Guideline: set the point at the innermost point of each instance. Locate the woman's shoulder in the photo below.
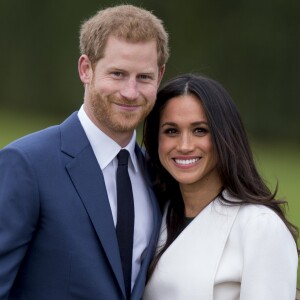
(257, 217)
(250, 212)
(262, 222)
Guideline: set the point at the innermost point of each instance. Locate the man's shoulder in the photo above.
(31, 139)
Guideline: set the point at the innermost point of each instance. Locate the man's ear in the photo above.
(161, 73)
(85, 69)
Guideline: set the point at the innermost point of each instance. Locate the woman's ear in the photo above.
(85, 69)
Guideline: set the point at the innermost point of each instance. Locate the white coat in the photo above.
(227, 253)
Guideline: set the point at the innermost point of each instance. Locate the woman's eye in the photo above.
(170, 131)
(201, 131)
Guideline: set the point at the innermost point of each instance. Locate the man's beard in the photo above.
(113, 121)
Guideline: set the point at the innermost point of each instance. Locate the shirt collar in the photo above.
(105, 148)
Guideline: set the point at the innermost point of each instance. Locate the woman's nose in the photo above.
(185, 143)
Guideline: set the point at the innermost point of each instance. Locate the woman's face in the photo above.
(185, 145)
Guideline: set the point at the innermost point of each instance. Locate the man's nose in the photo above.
(130, 89)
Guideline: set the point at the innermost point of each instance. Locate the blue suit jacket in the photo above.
(57, 236)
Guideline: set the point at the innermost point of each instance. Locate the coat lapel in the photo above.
(88, 180)
(193, 258)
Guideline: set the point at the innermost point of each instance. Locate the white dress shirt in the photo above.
(106, 150)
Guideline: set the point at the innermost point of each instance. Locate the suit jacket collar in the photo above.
(73, 137)
(88, 180)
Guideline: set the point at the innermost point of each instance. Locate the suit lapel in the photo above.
(88, 180)
(141, 278)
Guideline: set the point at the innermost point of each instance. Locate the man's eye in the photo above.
(117, 74)
(145, 77)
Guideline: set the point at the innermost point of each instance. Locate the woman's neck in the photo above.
(196, 198)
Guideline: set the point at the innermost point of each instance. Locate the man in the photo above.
(58, 199)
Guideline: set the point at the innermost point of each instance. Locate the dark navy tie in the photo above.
(125, 218)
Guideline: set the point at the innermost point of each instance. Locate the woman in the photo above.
(224, 235)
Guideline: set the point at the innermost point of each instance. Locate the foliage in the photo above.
(252, 47)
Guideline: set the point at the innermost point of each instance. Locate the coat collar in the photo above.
(202, 244)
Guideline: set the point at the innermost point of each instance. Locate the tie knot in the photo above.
(123, 157)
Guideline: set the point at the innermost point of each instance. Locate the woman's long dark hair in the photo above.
(236, 164)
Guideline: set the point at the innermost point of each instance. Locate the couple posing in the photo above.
(205, 224)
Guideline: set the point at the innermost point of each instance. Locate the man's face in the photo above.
(121, 90)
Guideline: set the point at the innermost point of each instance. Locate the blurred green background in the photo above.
(251, 47)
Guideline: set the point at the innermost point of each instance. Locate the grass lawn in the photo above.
(14, 125)
(275, 161)
(281, 162)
